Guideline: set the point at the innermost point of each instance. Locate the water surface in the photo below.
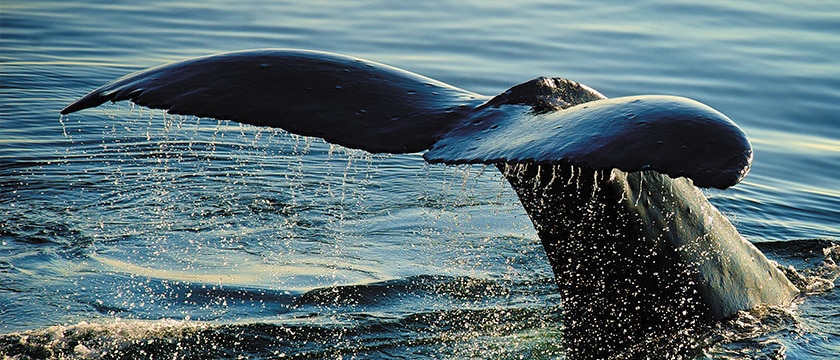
(135, 227)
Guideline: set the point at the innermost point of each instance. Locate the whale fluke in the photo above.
(637, 255)
(375, 107)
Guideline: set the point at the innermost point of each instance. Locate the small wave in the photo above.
(115, 339)
(811, 265)
(459, 333)
(454, 287)
(753, 334)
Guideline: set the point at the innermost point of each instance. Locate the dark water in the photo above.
(126, 232)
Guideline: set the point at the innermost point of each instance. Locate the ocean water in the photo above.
(130, 233)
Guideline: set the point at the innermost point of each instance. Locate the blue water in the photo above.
(122, 227)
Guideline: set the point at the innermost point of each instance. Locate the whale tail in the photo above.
(379, 108)
(635, 253)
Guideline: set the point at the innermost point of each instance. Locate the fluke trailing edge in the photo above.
(637, 250)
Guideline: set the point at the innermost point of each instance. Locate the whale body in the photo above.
(611, 185)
